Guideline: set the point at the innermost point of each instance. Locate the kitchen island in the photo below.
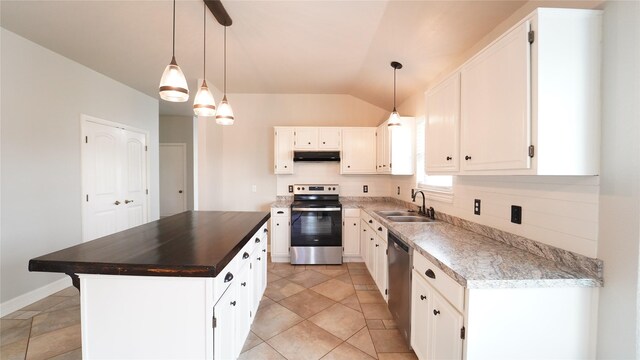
(185, 286)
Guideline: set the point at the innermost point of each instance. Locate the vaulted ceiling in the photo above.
(315, 47)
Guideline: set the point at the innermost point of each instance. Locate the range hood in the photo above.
(316, 156)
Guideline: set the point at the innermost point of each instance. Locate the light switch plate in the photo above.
(516, 214)
(476, 206)
(290, 188)
(365, 188)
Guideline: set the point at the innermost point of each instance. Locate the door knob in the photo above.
(128, 201)
(116, 203)
(179, 191)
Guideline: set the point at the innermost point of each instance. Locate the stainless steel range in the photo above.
(316, 224)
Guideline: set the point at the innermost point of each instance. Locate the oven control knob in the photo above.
(298, 187)
(303, 188)
(334, 188)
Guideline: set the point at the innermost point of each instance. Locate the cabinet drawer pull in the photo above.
(377, 245)
(257, 240)
(280, 212)
(370, 221)
(422, 297)
(243, 283)
(430, 274)
(266, 230)
(258, 259)
(245, 255)
(264, 250)
(233, 303)
(380, 228)
(228, 277)
(467, 157)
(449, 158)
(436, 312)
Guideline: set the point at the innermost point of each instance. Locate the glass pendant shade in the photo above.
(394, 118)
(224, 115)
(204, 104)
(173, 85)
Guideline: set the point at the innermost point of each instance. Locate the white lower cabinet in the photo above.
(373, 240)
(364, 240)
(351, 234)
(280, 234)
(224, 332)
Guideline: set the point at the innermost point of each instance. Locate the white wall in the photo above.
(180, 129)
(241, 155)
(43, 95)
(619, 235)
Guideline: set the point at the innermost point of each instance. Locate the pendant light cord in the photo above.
(174, 28)
(225, 61)
(204, 46)
(394, 89)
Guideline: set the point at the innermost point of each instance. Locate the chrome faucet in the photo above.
(421, 210)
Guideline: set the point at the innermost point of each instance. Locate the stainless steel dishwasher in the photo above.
(400, 262)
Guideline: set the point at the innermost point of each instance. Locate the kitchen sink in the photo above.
(413, 218)
(403, 216)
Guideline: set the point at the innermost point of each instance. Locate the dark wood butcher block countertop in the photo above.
(192, 243)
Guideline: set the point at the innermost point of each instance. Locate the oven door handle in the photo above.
(317, 209)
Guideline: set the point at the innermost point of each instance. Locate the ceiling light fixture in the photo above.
(394, 118)
(173, 85)
(204, 104)
(224, 115)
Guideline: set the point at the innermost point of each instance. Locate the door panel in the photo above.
(172, 179)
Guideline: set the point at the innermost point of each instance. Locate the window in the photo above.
(437, 187)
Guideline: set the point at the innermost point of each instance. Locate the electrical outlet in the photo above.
(365, 188)
(476, 206)
(290, 188)
(516, 214)
(398, 190)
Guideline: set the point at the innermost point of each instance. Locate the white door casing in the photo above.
(173, 178)
(114, 177)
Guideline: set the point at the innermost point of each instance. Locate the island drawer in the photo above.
(449, 288)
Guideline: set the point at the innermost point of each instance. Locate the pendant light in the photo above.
(224, 115)
(394, 118)
(204, 104)
(173, 85)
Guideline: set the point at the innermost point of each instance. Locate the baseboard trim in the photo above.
(29, 298)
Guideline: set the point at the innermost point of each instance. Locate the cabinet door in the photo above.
(283, 154)
(358, 151)
(442, 128)
(305, 139)
(224, 332)
(371, 252)
(258, 278)
(280, 236)
(329, 138)
(364, 240)
(495, 107)
(381, 266)
(244, 305)
(446, 324)
(383, 149)
(402, 147)
(351, 236)
(420, 315)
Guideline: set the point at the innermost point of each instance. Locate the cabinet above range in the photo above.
(363, 150)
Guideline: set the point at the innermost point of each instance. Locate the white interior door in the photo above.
(114, 179)
(173, 179)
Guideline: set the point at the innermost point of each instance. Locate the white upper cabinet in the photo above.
(283, 150)
(395, 147)
(530, 101)
(317, 138)
(358, 150)
(305, 138)
(442, 128)
(329, 138)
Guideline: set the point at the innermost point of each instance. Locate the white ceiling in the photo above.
(316, 47)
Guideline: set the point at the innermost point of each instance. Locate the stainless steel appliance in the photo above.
(400, 263)
(316, 224)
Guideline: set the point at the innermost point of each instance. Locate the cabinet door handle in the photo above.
(349, 166)
(116, 203)
(309, 143)
(323, 142)
(228, 277)
(259, 259)
(233, 303)
(430, 274)
(377, 245)
(467, 157)
(449, 158)
(354, 224)
(422, 297)
(266, 230)
(243, 283)
(245, 255)
(257, 240)
(436, 312)
(285, 166)
(128, 201)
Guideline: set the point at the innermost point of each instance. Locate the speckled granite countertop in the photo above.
(477, 261)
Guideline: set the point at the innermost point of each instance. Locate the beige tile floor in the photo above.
(308, 312)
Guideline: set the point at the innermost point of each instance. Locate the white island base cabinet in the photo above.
(159, 317)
